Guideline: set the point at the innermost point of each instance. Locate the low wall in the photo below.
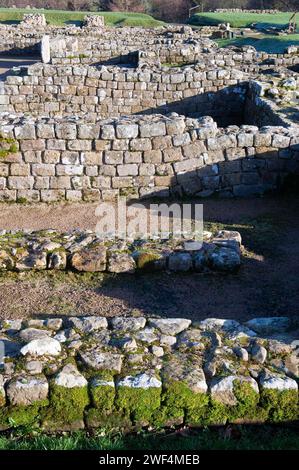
(47, 160)
(261, 111)
(87, 252)
(89, 44)
(115, 91)
(131, 372)
(241, 10)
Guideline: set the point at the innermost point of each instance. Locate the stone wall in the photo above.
(115, 91)
(129, 373)
(89, 44)
(46, 159)
(241, 10)
(33, 20)
(260, 111)
(89, 252)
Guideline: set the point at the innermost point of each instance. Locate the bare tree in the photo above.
(125, 5)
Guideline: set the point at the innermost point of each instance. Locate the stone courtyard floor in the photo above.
(266, 285)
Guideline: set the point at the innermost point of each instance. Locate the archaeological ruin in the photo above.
(159, 113)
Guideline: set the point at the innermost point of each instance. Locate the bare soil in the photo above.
(266, 285)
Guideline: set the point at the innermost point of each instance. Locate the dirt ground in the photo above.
(266, 285)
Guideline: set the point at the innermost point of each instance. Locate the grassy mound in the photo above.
(61, 17)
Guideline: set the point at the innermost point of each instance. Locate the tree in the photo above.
(171, 10)
(125, 5)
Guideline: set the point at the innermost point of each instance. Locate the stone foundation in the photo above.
(132, 372)
(241, 10)
(157, 139)
(88, 252)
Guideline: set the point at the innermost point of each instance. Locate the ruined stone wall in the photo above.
(260, 110)
(241, 10)
(114, 91)
(94, 44)
(47, 160)
(92, 252)
(127, 373)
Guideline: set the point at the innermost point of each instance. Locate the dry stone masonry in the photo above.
(140, 113)
(241, 10)
(52, 159)
(33, 20)
(87, 252)
(78, 129)
(132, 372)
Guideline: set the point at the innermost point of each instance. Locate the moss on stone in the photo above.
(139, 404)
(102, 395)
(281, 405)
(67, 405)
(147, 261)
(7, 146)
(2, 399)
(247, 407)
(117, 420)
(180, 401)
(15, 416)
(247, 401)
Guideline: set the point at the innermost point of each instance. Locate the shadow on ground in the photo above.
(266, 285)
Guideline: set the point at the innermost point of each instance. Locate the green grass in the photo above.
(265, 43)
(60, 17)
(231, 438)
(241, 20)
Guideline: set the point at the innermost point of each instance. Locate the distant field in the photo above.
(60, 17)
(241, 20)
(266, 43)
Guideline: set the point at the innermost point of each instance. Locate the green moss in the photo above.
(247, 408)
(22, 200)
(116, 421)
(147, 261)
(280, 405)
(128, 192)
(178, 401)
(219, 414)
(7, 146)
(247, 403)
(15, 416)
(102, 396)
(2, 398)
(139, 404)
(66, 405)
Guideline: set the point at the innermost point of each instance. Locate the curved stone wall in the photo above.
(73, 159)
(114, 91)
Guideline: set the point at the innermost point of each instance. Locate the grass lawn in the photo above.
(60, 17)
(266, 43)
(229, 438)
(241, 20)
